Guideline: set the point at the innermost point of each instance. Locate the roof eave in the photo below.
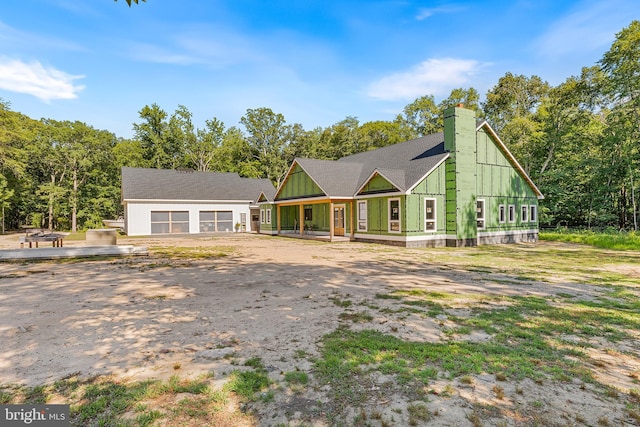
(286, 178)
(376, 171)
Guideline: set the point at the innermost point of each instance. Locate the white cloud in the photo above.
(431, 77)
(212, 46)
(45, 83)
(425, 13)
(590, 27)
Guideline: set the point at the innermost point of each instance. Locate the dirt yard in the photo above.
(207, 304)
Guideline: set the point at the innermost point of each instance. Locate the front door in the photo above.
(338, 220)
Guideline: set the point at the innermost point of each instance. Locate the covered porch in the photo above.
(320, 219)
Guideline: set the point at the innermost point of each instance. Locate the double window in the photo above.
(429, 214)
(169, 222)
(216, 221)
(394, 216)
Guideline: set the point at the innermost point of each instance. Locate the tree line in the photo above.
(579, 142)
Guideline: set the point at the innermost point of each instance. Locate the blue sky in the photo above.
(314, 61)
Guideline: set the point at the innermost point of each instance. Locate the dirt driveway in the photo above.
(188, 310)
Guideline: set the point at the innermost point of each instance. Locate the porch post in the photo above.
(279, 216)
(301, 216)
(331, 230)
(352, 213)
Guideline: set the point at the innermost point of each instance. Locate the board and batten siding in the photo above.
(299, 184)
(499, 183)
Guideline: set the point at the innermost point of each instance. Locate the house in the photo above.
(461, 187)
(158, 201)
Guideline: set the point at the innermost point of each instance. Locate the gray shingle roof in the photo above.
(334, 178)
(404, 164)
(163, 184)
(414, 158)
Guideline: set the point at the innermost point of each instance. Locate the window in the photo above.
(308, 213)
(534, 213)
(216, 221)
(524, 213)
(262, 216)
(429, 214)
(268, 216)
(362, 215)
(394, 215)
(512, 213)
(480, 214)
(502, 214)
(168, 222)
(207, 222)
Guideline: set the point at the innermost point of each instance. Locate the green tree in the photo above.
(469, 98)
(5, 197)
(201, 151)
(380, 133)
(268, 136)
(153, 136)
(511, 108)
(421, 117)
(341, 139)
(621, 83)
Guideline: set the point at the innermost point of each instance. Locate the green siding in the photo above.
(377, 184)
(299, 185)
(274, 219)
(499, 183)
(432, 187)
(460, 141)
(378, 215)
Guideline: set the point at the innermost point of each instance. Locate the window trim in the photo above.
(268, 211)
(389, 220)
(512, 214)
(170, 221)
(524, 213)
(364, 220)
(433, 221)
(262, 216)
(484, 214)
(502, 214)
(533, 213)
(216, 221)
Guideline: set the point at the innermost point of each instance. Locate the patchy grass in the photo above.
(192, 253)
(106, 401)
(247, 383)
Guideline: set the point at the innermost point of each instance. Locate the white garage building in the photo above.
(160, 201)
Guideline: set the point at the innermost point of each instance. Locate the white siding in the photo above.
(138, 214)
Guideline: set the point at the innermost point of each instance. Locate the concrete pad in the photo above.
(71, 252)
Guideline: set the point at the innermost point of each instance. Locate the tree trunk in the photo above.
(53, 185)
(633, 201)
(74, 203)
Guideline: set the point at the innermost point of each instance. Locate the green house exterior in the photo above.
(461, 187)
